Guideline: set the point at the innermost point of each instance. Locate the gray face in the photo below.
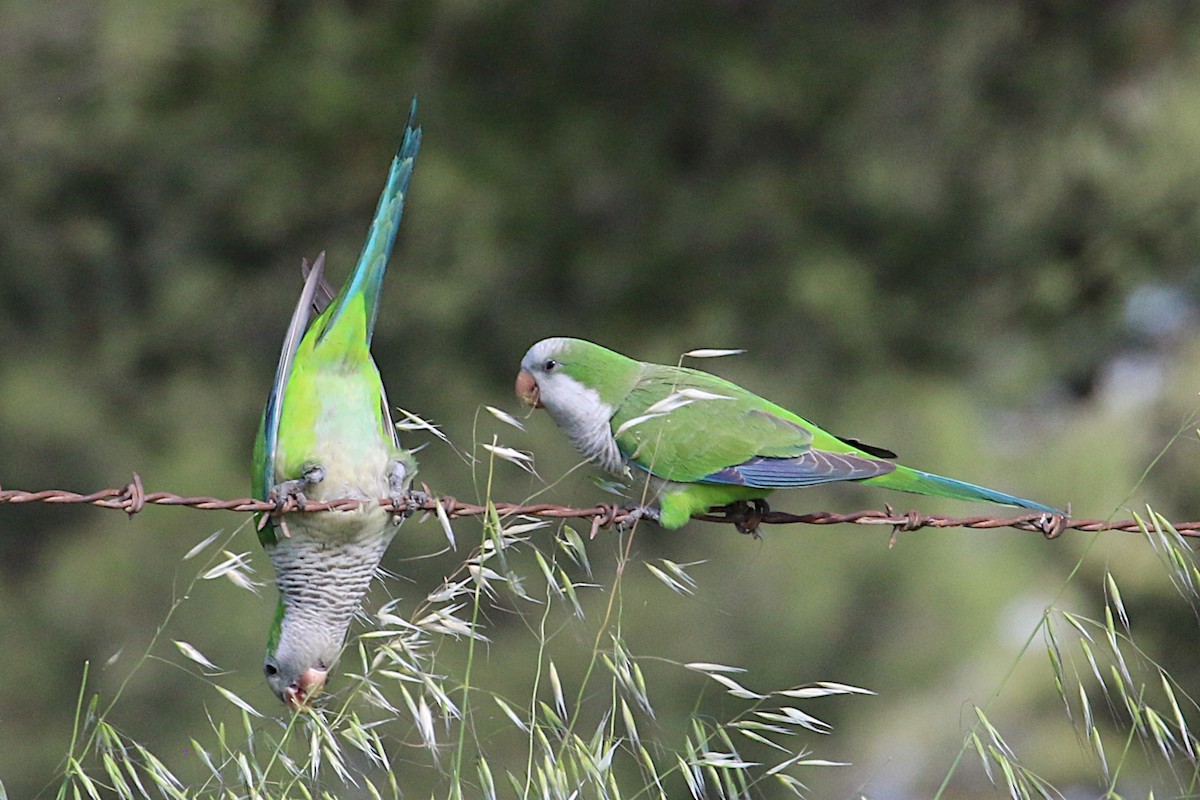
(577, 409)
(296, 671)
(559, 393)
(541, 352)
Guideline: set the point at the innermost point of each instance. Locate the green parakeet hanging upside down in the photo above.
(703, 441)
(327, 433)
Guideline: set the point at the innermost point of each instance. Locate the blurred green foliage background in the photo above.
(966, 232)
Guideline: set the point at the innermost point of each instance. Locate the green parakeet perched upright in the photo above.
(703, 441)
(327, 433)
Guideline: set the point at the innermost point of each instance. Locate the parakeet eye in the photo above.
(549, 365)
(270, 670)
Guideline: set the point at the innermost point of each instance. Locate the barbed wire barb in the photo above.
(133, 498)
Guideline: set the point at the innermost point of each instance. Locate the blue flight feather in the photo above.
(809, 469)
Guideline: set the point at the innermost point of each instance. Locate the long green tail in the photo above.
(366, 281)
(906, 479)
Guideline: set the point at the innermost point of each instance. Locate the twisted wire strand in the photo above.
(133, 497)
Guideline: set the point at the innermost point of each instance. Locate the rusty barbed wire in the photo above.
(133, 497)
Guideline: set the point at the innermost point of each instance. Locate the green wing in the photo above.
(708, 430)
(267, 443)
(729, 436)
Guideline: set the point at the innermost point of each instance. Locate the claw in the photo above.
(294, 489)
(634, 514)
(398, 478)
(401, 493)
(747, 515)
(411, 499)
(288, 490)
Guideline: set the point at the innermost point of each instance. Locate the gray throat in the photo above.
(322, 581)
(591, 435)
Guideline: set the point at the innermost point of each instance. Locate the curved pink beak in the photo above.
(299, 696)
(527, 390)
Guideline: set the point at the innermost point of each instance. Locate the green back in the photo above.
(706, 436)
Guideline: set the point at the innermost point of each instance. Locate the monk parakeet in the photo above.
(703, 441)
(327, 433)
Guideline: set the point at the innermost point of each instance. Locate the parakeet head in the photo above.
(298, 661)
(580, 385)
(564, 375)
